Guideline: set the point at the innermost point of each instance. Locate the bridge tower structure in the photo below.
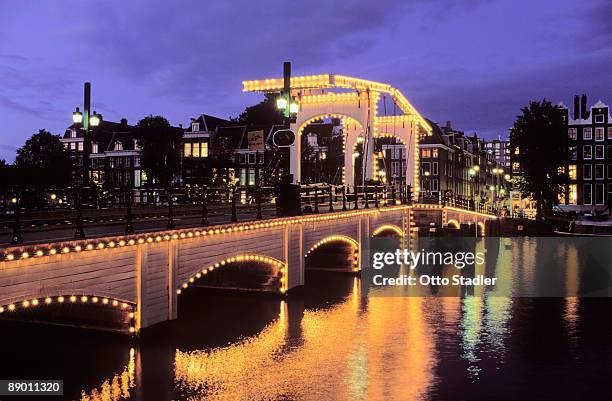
(356, 102)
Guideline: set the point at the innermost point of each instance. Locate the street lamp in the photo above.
(77, 116)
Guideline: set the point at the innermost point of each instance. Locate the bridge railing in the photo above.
(453, 200)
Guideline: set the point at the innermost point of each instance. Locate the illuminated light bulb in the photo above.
(115, 302)
(132, 329)
(94, 300)
(1, 309)
(190, 234)
(217, 231)
(101, 245)
(48, 300)
(121, 243)
(60, 299)
(131, 315)
(83, 298)
(166, 237)
(185, 285)
(65, 249)
(111, 244)
(124, 305)
(25, 255)
(216, 265)
(105, 301)
(191, 279)
(52, 251)
(39, 253)
(25, 304)
(197, 233)
(34, 302)
(141, 240)
(204, 272)
(73, 299)
(11, 307)
(158, 238)
(178, 292)
(182, 235)
(174, 236)
(149, 239)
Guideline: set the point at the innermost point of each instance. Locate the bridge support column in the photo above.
(364, 241)
(156, 276)
(294, 257)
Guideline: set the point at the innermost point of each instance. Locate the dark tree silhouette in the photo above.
(160, 147)
(43, 162)
(263, 113)
(539, 135)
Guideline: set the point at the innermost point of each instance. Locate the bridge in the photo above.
(143, 275)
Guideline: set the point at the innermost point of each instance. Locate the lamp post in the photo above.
(16, 238)
(87, 120)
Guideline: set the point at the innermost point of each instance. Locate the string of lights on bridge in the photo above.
(343, 238)
(123, 241)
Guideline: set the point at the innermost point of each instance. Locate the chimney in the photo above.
(583, 107)
(576, 107)
(124, 121)
(448, 124)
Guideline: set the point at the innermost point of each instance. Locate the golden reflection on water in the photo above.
(346, 352)
(116, 388)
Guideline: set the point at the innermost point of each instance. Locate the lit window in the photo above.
(73, 145)
(195, 151)
(587, 133)
(434, 153)
(572, 171)
(573, 194)
(94, 148)
(80, 146)
(599, 134)
(118, 146)
(251, 176)
(572, 133)
(204, 149)
(73, 133)
(243, 176)
(187, 149)
(516, 151)
(425, 153)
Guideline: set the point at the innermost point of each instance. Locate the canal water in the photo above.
(327, 342)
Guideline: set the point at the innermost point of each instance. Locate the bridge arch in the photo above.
(388, 227)
(36, 301)
(279, 269)
(342, 238)
(453, 222)
(349, 138)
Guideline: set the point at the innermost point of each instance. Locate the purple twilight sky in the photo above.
(473, 62)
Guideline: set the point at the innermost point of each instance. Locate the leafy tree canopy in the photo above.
(263, 113)
(160, 146)
(43, 161)
(543, 152)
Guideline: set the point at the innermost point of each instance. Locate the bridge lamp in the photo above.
(95, 119)
(492, 188)
(426, 173)
(472, 172)
(477, 168)
(77, 116)
(293, 107)
(502, 191)
(281, 103)
(507, 177)
(53, 196)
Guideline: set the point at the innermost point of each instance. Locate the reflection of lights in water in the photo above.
(117, 388)
(355, 356)
(471, 326)
(572, 284)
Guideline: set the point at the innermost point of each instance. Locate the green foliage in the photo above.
(43, 162)
(263, 113)
(539, 134)
(160, 146)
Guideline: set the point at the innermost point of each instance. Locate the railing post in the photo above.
(204, 221)
(356, 206)
(308, 204)
(376, 189)
(171, 224)
(234, 217)
(316, 200)
(331, 199)
(129, 226)
(343, 198)
(78, 232)
(17, 238)
(365, 194)
(259, 216)
(393, 194)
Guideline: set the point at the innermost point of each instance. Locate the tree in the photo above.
(263, 113)
(43, 162)
(540, 146)
(160, 149)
